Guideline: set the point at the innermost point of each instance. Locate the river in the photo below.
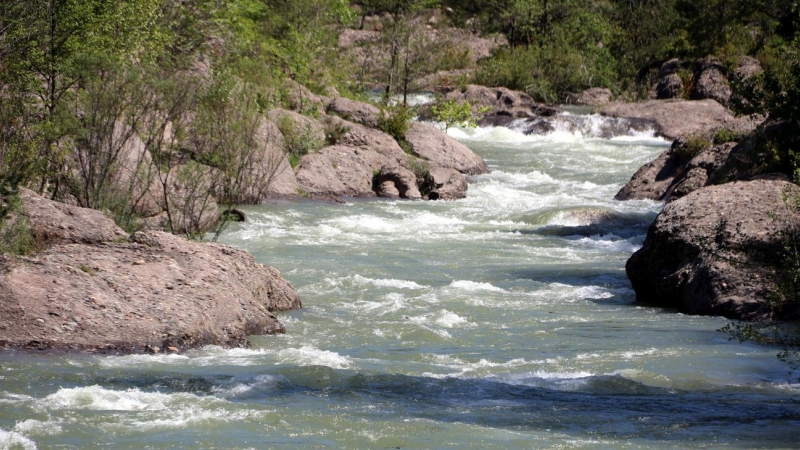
(503, 320)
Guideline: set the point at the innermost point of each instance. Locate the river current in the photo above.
(503, 320)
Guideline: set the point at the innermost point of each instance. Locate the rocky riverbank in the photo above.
(91, 287)
(719, 246)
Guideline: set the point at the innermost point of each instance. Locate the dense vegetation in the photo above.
(84, 83)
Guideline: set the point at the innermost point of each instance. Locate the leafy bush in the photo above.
(395, 120)
(455, 113)
(691, 145)
(300, 140)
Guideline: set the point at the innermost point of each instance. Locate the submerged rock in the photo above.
(713, 251)
(104, 292)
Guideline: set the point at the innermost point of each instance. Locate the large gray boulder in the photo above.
(710, 81)
(670, 83)
(441, 150)
(339, 170)
(714, 251)
(91, 288)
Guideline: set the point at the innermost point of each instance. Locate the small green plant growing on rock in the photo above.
(454, 113)
(724, 135)
(395, 120)
(334, 131)
(692, 145)
(300, 141)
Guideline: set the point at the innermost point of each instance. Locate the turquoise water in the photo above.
(503, 320)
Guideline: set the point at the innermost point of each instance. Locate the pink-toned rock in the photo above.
(147, 294)
(445, 184)
(57, 223)
(441, 150)
(340, 171)
(680, 117)
(353, 111)
(404, 180)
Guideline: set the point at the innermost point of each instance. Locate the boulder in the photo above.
(713, 252)
(272, 175)
(190, 206)
(301, 100)
(353, 111)
(591, 97)
(676, 172)
(710, 82)
(339, 170)
(56, 223)
(441, 150)
(747, 68)
(264, 171)
(401, 178)
(679, 117)
(445, 184)
(500, 101)
(144, 294)
(298, 130)
(693, 162)
(669, 86)
(387, 189)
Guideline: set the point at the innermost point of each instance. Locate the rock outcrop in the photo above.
(92, 288)
(353, 111)
(591, 97)
(676, 172)
(693, 162)
(712, 251)
(710, 82)
(503, 104)
(445, 184)
(670, 83)
(680, 117)
(441, 150)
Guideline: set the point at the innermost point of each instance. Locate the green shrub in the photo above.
(692, 145)
(300, 140)
(15, 229)
(395, 120)
(334, 131)
(455, 113)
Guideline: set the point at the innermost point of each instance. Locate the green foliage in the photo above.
(692, 146)
(557, 47)
(724, 136)
(300, 139)
(334, 130)
(15, 228)
(455, 113)
(395, 120)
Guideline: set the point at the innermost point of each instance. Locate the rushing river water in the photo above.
(503, 320)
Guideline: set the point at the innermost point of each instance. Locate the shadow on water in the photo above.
(606, 406)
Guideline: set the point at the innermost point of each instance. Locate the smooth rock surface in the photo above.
(99, 291)
(679, 117)
(441, 150)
